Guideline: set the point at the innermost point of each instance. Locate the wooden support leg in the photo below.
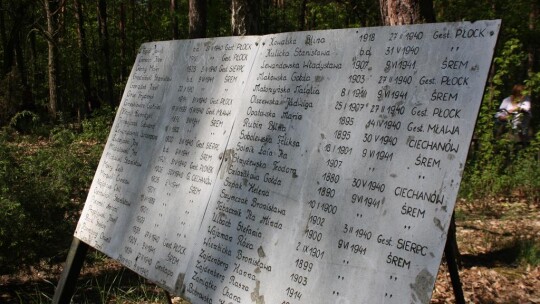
(75, 259)
(451, 254)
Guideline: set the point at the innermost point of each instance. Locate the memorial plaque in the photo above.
(308, 167)
(156, 175)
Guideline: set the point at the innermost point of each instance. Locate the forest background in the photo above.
(64, 65)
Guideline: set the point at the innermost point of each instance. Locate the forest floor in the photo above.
(498, 239)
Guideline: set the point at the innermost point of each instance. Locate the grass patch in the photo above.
(529, 252)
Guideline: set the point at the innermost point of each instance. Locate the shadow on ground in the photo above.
(508, 256)
(117, 285)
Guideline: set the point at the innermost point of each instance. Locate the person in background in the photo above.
(514, 111)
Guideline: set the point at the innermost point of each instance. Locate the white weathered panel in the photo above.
(331, 180)
(156, 174)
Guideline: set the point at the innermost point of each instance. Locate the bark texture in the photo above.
(403, 12)
(244, 16)
(197, 18)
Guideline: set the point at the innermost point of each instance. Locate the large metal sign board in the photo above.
(307, 167)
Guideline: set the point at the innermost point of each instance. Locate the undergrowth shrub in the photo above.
(98, 127)
(43, 186)
(529, 252)
(501, 166)
(24, 121)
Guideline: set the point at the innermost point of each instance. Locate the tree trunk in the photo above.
(133, 25)
(34, 63)
(265, 20)
(3, 36)
(197, 18)
(302, 17)
(532, 51)
(244, 16)
(174, 19)
(123, 41)
(402, 12)
(21, 64)
(148, 21)
(102, 18)
(89, 104)
(52, 59)
(27, 96)
(9, 36)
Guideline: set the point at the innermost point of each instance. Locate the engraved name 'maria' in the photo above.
(291, 115)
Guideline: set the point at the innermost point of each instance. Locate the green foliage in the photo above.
(526, 175)
(43, 184)
(10, 96)
(98, 127)
(500, 166)
(326, 16)
(25, 121)
(508, 63)
(533, 84)
(529, 252)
